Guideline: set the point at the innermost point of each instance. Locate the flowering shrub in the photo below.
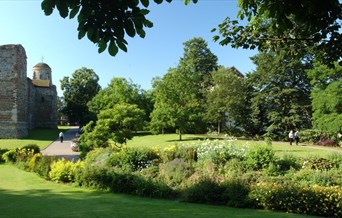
(314, 200)
(63, 170)
(219, 151)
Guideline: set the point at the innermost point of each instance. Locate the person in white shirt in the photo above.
(61, 136)
(291, 137)
(296, 137)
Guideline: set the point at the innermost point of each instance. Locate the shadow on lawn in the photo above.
(78, 203)
(187, 139)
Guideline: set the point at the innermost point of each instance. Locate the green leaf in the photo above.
(129, 28)
(90, 33)
(158, 1)
(144, 11)
(48, 6)
(81, 33)
(215, 38)
(102, 46)
(148, 23)
(145, 3)
(74, 12)
(112, 49)
(121, 45)
(141, 33)
(63, 8)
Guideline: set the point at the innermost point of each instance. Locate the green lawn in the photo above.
(281, 148)
(40, 137)
(24, 194)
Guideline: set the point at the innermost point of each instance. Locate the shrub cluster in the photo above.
(213, 172)
(290, 197)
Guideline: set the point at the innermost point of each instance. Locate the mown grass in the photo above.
(24, 194)
(40, 137)
(281, 148)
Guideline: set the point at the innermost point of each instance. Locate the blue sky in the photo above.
(54, 40)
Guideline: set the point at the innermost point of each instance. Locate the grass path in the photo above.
(24, 194)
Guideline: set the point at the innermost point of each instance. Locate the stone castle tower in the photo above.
(24, 103)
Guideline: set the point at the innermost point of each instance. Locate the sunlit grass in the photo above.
(40, 137)
(281, 148)
(24, 194)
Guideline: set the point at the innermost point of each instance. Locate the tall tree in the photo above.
(121, 90)
(198, 61)
(176, 102)
(326, 97)
(78, 91)
(289, 25)
(226, 98)
(281, 92)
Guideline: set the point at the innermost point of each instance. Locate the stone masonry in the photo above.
(24, 103)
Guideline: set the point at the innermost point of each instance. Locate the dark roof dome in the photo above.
(42, 65)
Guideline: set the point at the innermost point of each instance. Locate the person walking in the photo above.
(296, 137)
(291, 137)
(61, 136)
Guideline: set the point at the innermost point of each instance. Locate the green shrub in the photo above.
(42, 165)
(63, 170)
(318, 164)
(175, 172)
(10, 156)
(2, 151)
(205, 191)
(289, 197)
(21, 155)
(235, 193)
(323, 178)
(31, 147)
(134, 184)
(259, 157)
(94, 177)
(133, 159)
(33, 161)
(98, 156)
(281, 166)
(335, 158)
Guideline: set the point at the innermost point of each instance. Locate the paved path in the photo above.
(63, 150)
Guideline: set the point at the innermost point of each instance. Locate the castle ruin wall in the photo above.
(13, 92)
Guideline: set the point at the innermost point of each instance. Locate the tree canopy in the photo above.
(281, 93)
(286, 24)
(225, 97)
(78, 91)
(114, 126)
(107, 23)
(175, 102)
(326, 97)
(272, 24)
